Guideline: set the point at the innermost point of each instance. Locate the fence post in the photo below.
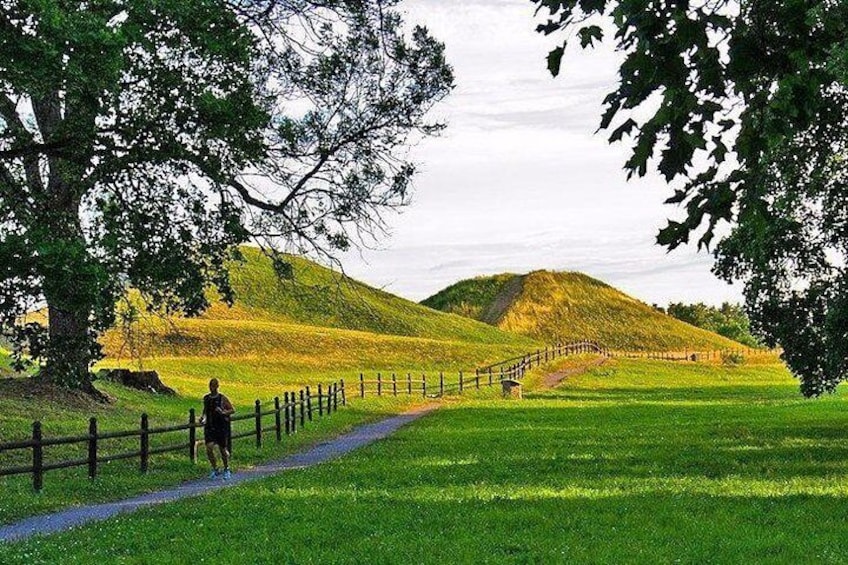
(379, 384)
(277, 418)
(490, 376)
(258, 418)
(502, 375)
(145, 444)
(394, 384)
(460, 382)
(344, 396)
(546, 354)
(192, 435)
(329, 399)
(424, 386)
(361, 386)
(37, 458)
(92, 448)
(409, 383)
(477, 380)
(230, 438)
(320, 401)
(302, 409)
(288, 413)
(293, 411)
(336, 397)
(441, 384)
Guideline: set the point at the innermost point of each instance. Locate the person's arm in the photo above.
(203, 415)
(227, 406)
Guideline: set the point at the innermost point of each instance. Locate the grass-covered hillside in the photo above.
(317, 296)
(317, 322)
(551, 306)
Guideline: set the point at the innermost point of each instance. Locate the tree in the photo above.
(741, 106)
(142, 140)
(729, 320)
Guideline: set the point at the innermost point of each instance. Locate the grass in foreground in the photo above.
(121, 479)
(633, 462)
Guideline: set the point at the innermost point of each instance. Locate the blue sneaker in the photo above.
(214, 474)
(227, 475)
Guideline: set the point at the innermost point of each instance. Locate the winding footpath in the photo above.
(553, 380)
(332, 449)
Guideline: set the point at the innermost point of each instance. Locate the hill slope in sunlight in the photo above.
(565, 306)
(319, 319)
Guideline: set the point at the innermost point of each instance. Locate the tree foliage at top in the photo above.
(142, 140)
(743, 108)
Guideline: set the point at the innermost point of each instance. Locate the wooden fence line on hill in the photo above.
(513, 368)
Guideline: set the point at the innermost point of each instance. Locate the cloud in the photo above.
(520, 181)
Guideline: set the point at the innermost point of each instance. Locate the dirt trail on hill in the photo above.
(554, 379)
(77, 516)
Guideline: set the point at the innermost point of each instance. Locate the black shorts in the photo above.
(216, 435)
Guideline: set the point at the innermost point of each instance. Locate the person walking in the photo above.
(215, 420)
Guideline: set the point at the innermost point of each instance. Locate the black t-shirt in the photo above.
(215, 420)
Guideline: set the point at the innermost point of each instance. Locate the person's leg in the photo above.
(210, 454)
(225, 456)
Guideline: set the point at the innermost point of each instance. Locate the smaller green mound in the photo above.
(553, 306)
(476, 298)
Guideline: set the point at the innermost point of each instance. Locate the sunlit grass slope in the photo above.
(551, 306)
(319, 322)
(318, 296)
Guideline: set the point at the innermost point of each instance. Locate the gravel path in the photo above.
(554, 379)
(77, 516)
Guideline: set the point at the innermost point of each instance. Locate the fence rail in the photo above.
(392, 384)
(290, 413)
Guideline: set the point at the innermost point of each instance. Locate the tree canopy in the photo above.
(728, 320)
(743, 108)
(142, 140)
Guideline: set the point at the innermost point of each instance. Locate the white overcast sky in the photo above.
(519, 181)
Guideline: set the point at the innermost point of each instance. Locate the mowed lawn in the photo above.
(635, 461)
(264, 360)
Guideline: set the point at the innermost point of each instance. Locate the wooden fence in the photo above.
(391, 384)
(290, 413)
(296, 409)
(693, 355)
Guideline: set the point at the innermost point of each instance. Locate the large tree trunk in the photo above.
(69, 352)
(65, 268)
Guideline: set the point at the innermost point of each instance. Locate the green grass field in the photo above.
(279, 336)
(634, 461)
(552, 307)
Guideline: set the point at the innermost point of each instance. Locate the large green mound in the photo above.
(318, 296)
(552, 306)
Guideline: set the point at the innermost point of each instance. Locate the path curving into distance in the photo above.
(553, 380)
(331, 449)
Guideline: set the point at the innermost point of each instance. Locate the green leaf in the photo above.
(590, 34)
(555, 60)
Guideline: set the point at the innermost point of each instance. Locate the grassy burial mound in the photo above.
(319, 321)
(551, 306)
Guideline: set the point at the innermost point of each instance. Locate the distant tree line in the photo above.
(728, 320)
